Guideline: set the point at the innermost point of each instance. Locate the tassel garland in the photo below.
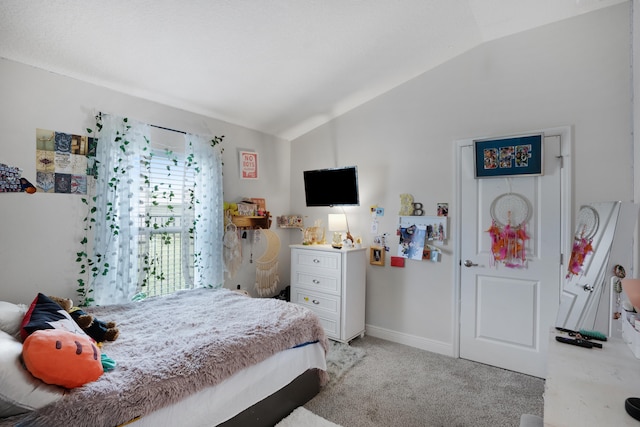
(581, 248)
(507, 244)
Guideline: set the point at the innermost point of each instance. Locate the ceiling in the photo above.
(278, 66)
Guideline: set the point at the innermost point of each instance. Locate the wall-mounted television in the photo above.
(332, 187)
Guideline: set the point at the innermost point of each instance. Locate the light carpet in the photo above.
(301, 417)
(340, 358)
(398, 385)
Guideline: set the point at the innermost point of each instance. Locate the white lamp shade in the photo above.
(337, 222)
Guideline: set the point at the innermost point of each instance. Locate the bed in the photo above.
(204, 357)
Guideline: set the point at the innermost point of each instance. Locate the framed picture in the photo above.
(376, 255)
(515, 156)
(443, 209)
(248, 165)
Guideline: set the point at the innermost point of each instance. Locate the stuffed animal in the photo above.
(61, 357)
(97, 329)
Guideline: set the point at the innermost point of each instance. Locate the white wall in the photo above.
(40, 233)
(575, 73)
(636, 125)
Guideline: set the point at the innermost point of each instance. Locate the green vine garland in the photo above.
(91, 267)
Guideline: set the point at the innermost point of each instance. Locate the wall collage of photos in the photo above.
(65, 163)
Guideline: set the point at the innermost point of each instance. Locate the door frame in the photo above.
(566, 209)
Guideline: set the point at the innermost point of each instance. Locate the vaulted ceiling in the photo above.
(278, 66)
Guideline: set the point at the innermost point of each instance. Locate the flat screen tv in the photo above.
(332, 187)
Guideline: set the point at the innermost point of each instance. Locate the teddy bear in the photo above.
(97, 329)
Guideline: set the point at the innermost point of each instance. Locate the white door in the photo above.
(506, 313)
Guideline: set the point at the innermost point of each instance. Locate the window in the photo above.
(163, 236)
(155, 220)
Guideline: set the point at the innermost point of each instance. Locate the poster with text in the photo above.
(248, 165)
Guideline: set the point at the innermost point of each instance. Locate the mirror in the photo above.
(603, 239)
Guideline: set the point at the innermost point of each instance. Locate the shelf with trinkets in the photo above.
(248, 214)
(251, 222)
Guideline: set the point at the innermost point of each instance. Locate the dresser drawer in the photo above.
(316, 281)
(326, 262)
(326, 305)
(330, 326)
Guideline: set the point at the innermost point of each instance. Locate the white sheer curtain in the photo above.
(121, 197)
(121, 144)
(208, 221)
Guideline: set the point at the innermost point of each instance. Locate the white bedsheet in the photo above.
(215, 405)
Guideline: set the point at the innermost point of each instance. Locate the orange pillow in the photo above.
(62, 358)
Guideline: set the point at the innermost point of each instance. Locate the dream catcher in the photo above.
(509, 213)
(586, 228)
(232, 249)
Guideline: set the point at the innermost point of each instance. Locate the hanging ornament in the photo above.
(507, 244)
(232, 249)
(581, 248)
(509, 213)
(586, 228)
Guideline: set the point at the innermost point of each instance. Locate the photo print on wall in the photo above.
(11, 180)
(65, 163)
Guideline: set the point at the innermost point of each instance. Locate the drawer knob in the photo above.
(316, 260)
(316, 302)
(316, 281)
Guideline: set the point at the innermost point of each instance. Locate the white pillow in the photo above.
(11, 316)
(20, 391)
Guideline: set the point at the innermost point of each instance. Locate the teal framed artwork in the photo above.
(510, 156)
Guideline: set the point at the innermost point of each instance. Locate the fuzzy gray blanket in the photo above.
(170, 347)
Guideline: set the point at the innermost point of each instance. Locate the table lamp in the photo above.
(337, 224)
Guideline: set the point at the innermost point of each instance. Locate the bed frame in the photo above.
(274, 408)
(185, 386)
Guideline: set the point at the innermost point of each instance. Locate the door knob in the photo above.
(468, 263)
(588, 288)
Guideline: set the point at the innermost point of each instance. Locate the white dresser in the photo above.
(588, 387)
(331, 282)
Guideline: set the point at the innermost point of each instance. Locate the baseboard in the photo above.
(410, 340)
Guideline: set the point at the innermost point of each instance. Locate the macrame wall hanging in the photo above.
(509, 213)
(586, 227)
(267, 265)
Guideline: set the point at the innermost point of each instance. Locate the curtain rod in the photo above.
(169, 129)
(156, 126)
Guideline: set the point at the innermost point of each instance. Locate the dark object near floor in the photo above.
(632, 405)
(273, 409)
(284, 294)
